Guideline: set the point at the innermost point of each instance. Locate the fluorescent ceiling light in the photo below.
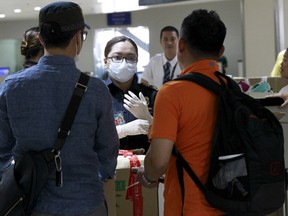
(17, 11)
(109, 6)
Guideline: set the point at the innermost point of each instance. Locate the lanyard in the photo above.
(173, 71)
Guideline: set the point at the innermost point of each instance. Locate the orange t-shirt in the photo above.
(185, 113)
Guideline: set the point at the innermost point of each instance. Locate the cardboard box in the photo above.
(110, 196)
(276, 83)
(115, 192)
(280, 113)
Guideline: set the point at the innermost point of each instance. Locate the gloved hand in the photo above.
(136, 127)
(137, 106)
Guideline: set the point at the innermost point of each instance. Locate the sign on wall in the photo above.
(117, 19)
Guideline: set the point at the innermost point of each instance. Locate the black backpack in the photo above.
(247, 171)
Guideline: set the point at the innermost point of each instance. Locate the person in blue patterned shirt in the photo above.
(33, 104)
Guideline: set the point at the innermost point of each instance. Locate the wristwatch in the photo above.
(147, 181)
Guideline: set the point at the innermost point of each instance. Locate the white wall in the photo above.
(10, 54)
(154, 18)
(256, 48)
(259, 37)
(286, 23)
(229, 12)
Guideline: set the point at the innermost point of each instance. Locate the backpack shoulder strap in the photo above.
(203, 81)
(181, 163)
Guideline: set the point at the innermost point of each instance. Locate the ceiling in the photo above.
(7, 7)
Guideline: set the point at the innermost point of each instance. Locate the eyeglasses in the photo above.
(119, 59)
(84, 35)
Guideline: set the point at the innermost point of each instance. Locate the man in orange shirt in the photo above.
(184, 116)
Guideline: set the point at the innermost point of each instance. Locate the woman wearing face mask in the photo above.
(121, 57)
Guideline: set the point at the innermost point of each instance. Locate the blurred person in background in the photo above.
(32, 107)
(31, 48)
(163, 67)
(283, 93)
(224, 63)
(277, 66)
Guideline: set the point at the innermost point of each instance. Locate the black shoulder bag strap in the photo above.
(64, 130)
(181, 163)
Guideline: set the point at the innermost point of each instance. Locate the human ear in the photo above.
(221, 51)
(181, 45)
(105, 62)
(40, 39)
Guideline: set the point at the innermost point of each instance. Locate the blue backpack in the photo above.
(247, 171)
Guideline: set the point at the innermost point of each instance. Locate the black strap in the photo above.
(64, 130)
(188, 169)
(203, 81)
(173, 71)
(181, 163)
(179, 167)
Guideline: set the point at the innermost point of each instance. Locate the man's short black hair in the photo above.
(203, 31)
(170, 29)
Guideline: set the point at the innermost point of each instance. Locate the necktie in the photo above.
(166, 68)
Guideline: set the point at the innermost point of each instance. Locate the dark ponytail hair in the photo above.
(30, 45)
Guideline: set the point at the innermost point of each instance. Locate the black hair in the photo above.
(52, 35)
(170, 29)
(203, 31)
(116, 40)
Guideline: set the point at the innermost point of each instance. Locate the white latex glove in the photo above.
(137, 106)
(136, 127)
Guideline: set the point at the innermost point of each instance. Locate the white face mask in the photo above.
(123, 71)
